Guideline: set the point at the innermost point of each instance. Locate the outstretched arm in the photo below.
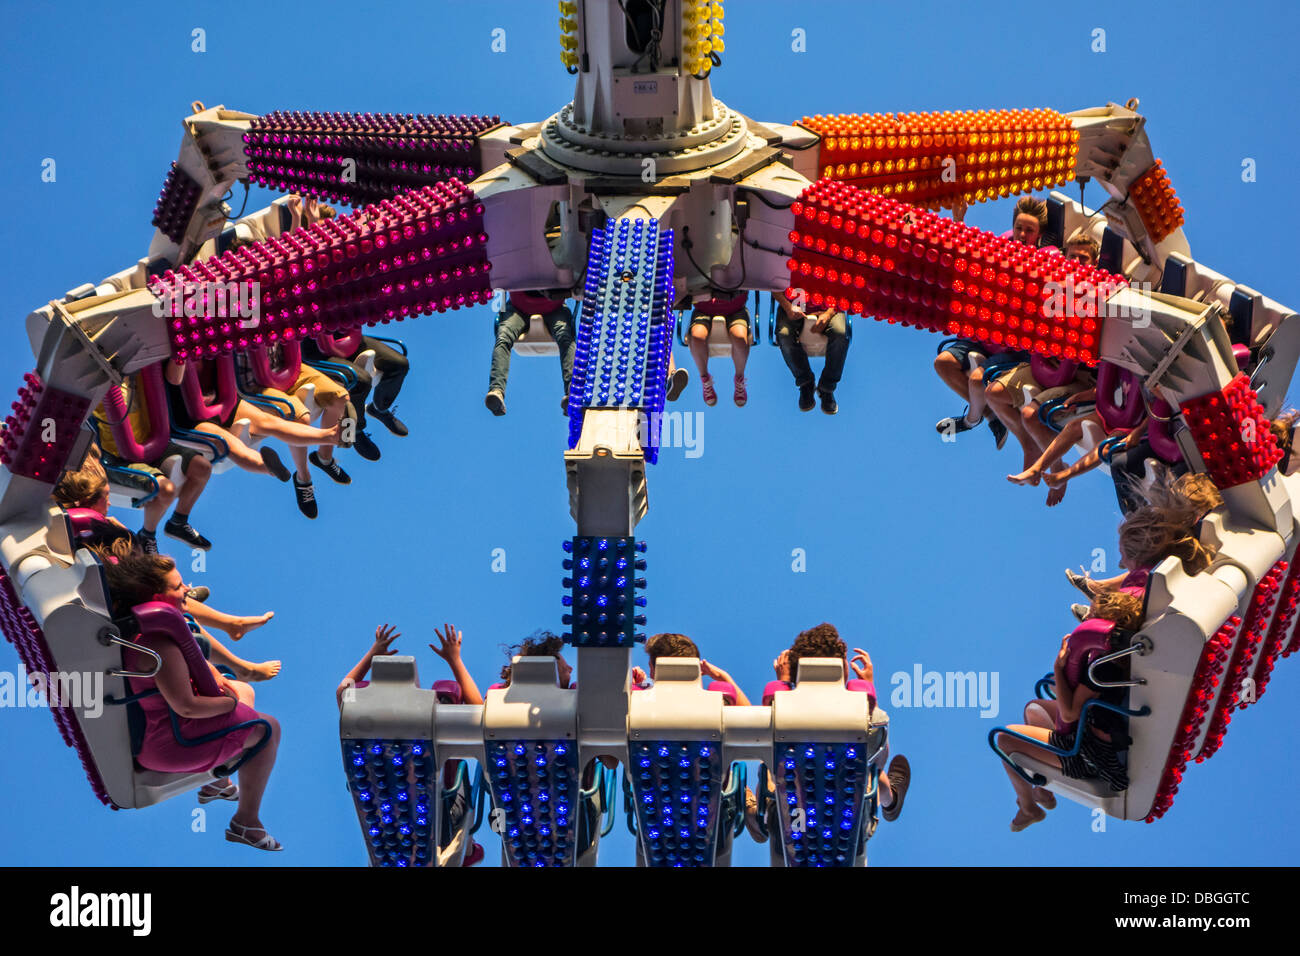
(717, 673)
(450, 652)
(384, 636)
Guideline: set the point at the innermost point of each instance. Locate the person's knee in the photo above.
(199, 467)
(165, 488)
(1029, 413)
(699, 332)
(739, 333)
(946, 363)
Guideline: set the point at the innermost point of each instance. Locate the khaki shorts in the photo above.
(299, 409)
(326, 387)
(1015, 381)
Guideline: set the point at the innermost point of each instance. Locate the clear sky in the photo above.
(916, 549)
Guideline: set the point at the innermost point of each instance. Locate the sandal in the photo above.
(267, 842)
(210, 791)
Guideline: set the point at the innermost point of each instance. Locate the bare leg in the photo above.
(196, 479)
(739, 336)
(331, 415)
(1000, 404)
(234, 626)
(243, 670)
(264, 424)
(1030, 812)
(975, 394)
(240, 454)
(950, 371)
(699, 343)
(160, 505)
(254, 777)
(1062, 443)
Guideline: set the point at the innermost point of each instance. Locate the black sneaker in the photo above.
(999, 431)
(807, 398)
(330, 468)
(273, 463)
(900, 776)
(186, 533)
(200, 594)
(829, 405)
(495, 402)
(564, 406)
(391, 421)
(148, 541)
(365, 446)
(306, 495)
(955, 425)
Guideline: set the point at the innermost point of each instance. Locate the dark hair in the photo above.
(820, 641)
(536, 644)
(670, 645)
(135, 579)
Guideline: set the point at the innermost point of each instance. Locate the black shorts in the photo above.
(187, 456)
(1096, 759)
(961, 350)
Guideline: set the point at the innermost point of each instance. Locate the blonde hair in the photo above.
(1152, 533)
(77, 489)
(1200, 490)
(1123, 608)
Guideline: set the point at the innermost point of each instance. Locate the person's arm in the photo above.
(1078, 398)
(173, 680)
(1064, 692)
(450, 652)
(384, 637)
(717, 673)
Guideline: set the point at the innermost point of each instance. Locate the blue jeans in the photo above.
(796, 359)
(559, 324)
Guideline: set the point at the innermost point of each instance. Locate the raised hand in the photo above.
(385, 634)
(450, 639)
(860, 662)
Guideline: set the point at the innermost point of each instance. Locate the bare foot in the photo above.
(1054, 478)
(242, 625)
(1045, 798)
(1028, 818)
(248, 671)
(1029, 476)
(1056, 496)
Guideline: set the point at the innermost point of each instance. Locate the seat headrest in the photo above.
(158, 619)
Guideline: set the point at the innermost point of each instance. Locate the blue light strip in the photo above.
(394, 784)
(820, 792)
(602, 591)
(624, 337)
(677, 786)
(535, 782)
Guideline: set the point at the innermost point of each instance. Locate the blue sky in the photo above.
(918, 550)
